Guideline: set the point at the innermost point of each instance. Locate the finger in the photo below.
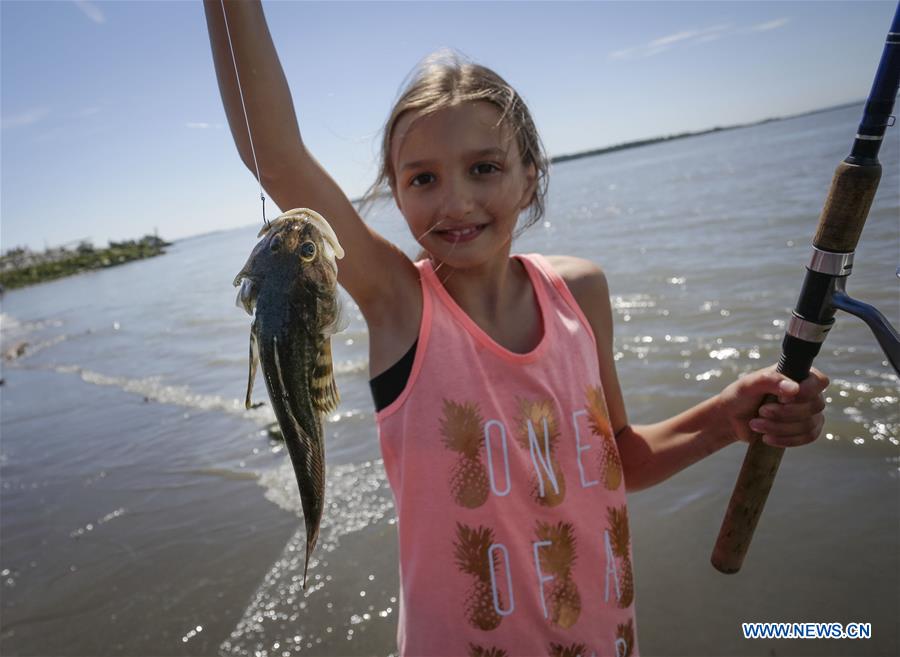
(815, 383)
(795, 440)
(787, 389)
(792, 411)
(782, 429)
(768, 381)
(788, 434)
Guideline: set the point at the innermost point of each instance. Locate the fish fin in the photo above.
(254, 360)
(323, 389)
(246, 296)
(340, 318)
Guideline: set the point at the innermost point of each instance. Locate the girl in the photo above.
(500, 417)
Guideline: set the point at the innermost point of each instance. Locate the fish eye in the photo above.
(307, 251)
(275, 244)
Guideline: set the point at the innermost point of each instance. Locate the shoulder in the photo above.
(587, 283)
(585, 279)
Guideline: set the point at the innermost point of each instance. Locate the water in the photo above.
(145, 512)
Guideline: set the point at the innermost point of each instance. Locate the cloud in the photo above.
(28, 117)
(626, 53)
(771, 25)
(672, 38)
(663, 43)
(92, 11)
(691, 37)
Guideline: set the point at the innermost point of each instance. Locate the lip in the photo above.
(455, 238)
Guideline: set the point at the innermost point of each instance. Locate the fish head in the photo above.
(296, 256)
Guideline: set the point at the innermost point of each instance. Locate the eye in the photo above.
(275, 244)
(307, 251)
(418, 181)
(485, 168)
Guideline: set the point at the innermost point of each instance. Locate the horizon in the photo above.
(131, 137)
(583, 154)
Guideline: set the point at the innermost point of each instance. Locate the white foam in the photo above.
(153, 389)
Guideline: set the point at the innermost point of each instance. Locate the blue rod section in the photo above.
(880, 104)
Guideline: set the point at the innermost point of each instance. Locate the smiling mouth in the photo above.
(461, 234)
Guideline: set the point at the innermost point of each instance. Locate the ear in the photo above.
(531, 187)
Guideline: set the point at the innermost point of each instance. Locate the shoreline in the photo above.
(21, 267)
(556, 159)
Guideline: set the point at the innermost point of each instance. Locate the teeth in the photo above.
(460, 233)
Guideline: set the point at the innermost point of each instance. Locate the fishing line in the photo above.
(246, 118)
(441, 263)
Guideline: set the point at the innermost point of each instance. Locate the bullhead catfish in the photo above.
(290, 280)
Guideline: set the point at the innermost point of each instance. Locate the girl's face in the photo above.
(459, 181)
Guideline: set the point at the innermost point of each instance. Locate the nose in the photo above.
(458, 200)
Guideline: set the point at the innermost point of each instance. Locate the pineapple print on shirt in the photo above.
(574, 650)
(618, 541)
(537, 431)
(555, 556)
(475, 555)
(461, 429)
(481, 651)
(625, 639)
(610, 464)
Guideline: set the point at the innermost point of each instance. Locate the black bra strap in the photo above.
(388, 385)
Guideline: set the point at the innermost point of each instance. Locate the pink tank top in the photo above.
(513, 530)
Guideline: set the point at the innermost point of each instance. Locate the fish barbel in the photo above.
(290, 280)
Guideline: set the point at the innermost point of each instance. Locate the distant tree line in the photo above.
(20, 266)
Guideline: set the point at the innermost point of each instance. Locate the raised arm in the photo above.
(288, 172)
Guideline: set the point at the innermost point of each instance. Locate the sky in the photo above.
(113, 127)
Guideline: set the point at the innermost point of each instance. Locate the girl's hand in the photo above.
(795, 419)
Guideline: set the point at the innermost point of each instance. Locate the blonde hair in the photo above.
(446, 78)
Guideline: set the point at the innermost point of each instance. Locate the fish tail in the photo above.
(306, 567)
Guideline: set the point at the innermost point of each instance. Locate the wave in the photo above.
(13, 333)
(153, 389)
(22, 349)
(8, 323)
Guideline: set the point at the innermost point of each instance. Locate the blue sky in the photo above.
(112, 124)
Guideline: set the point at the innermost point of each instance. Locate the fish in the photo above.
(289, 287)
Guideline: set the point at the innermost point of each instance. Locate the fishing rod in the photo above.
(823, 293)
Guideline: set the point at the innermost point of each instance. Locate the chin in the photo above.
(467, 258)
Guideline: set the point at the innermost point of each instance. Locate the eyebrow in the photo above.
(497, 152)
